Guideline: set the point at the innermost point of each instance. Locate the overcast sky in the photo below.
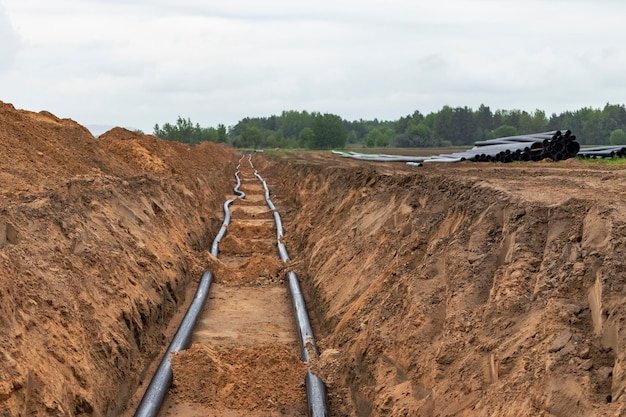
(135, 63)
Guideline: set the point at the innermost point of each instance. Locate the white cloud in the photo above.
(10, 43)
(144, 62)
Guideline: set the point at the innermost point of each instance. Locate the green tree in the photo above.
(221, 134)
(374, 138)
(328, 132)
(306, 137)
(504, 130)
(187, 132)
(420, 130)
(618, 137)
(251, 136)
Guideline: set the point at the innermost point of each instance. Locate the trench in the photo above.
(211, 366)
(432, 295)
(437, 296)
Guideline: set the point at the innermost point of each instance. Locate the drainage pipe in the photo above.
(315, 389)
(305, 331)
(282, 252)
(279, 226)
(315, 395)
(155, 393)
(239, 193)
(222, 231)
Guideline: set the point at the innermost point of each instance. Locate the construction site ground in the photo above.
(463, 289)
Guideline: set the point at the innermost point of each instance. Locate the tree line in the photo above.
(450, 126)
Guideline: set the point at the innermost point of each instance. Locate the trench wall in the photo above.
(99, 242)
(437, 296)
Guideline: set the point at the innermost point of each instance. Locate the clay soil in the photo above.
(457, 290)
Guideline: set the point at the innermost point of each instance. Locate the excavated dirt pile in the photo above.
(463, 290)
(97, 248)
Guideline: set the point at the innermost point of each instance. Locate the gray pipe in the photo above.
(305, 331)
(279, 226)
(282, 252)
(239, 193)
(222, 231)
(315, 395)
(315, 389)
(162, 379)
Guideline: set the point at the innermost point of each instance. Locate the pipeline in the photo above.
(162, 379)
(155, 393)
(222, 232)
(239, 193)
(315, 388)
(380, 157)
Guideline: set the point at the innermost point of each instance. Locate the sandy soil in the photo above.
(458, 290)
(244, 355)
(464, 290)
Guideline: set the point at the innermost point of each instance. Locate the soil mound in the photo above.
(244, 378)
(97, 242)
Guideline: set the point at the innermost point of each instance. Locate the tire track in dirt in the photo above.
(244, 355)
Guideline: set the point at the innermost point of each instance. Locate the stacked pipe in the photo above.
(556, 145)
(603, 152)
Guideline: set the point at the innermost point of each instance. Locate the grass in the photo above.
(605, 161)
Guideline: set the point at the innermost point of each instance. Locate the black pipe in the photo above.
(572, 147)
(305, 331)
(279, 226)
(240, 194)
(316, 395)
(316, 391)
(222, 231)
(162, 379)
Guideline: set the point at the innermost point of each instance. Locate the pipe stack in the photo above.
(556, 145)
(603, 152)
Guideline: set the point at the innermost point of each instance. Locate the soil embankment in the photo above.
(98, 245)
(453, 291)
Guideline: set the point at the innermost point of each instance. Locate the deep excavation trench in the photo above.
(437, 296)
(243, 359)
(472, 291)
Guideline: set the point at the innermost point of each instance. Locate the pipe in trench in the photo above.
(316, 395)
(315, 389)
(155, 393)
(239, 193)
(279, 226)
(162, 379)
(222, 231)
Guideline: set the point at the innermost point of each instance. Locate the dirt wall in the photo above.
(97, 247)
(438, 294)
